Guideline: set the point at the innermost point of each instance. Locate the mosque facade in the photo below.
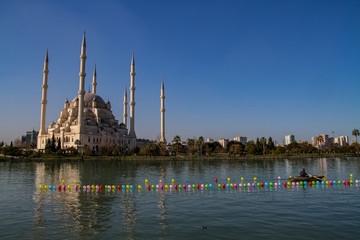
(88, 119)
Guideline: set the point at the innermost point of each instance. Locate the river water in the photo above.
(320, 211)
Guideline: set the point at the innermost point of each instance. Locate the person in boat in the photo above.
(303, 173)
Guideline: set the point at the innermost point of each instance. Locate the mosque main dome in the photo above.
(91, 97)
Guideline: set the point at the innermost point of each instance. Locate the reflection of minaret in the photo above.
(81, 92)
(162, 206)
(94, 83)
(68, 202)
(132, 98)
(129, 214)
(44, 96)
(162, 110)
(125, 108)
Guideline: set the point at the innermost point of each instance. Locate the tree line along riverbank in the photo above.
(194, 149)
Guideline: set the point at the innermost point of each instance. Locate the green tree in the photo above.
(32, 146)
(77, 143)
(162, 149)
(48, 146)
(356, 133)
(270, 144)
(11, 151)
(191, 145)
(293, 147)
(236, 149)
(53, 144)
(177, 144)
(306, 147)
(58, 145)
(200, 144)
(123, 148)
(87, 150)
(134, 150)
(191, 142)
(251, 147)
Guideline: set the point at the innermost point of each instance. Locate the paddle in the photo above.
(316, 177)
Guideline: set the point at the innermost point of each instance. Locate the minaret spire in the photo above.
(162, 110)
(132, 98)
(94, 83)
(81, 92)
(44, 95)
(125, 108)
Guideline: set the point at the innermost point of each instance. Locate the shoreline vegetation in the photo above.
(220, 157)
(193, 149)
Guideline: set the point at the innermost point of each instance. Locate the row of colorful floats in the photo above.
(173, 186)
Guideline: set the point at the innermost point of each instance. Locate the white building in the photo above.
(223, 142)
(341, 141)
(242, 140)
(289, 139)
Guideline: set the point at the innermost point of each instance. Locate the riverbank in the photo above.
(222, 157)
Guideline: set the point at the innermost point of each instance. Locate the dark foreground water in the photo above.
(317, 212)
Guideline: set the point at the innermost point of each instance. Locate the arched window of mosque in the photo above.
(89, 139)
(72, 139)
(93, 140)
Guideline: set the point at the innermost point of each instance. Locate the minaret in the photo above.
(125, 108)
(162, 110)
(44, 95)
(81, 92)
(132, 98)
(94, 81)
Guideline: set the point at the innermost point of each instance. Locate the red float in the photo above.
(149, 187)
(262, 184)
(216, 180)
(224, 185)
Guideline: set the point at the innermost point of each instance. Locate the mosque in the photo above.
(88, 119)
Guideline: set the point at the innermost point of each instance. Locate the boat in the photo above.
(307, 179)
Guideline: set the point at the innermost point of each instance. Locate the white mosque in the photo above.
(88, 119)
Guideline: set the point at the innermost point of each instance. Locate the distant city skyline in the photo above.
(254, 69)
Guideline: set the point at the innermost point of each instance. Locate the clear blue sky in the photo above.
(231, 68)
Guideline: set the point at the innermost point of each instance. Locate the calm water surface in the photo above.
(327, 212)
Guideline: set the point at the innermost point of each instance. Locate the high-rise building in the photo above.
(30, 137)
(322, 141)
(289, 139)
(242, 140)
(223, 142)
(341, 141)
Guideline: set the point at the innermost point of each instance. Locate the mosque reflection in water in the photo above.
(84, 212)
(90, 213)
